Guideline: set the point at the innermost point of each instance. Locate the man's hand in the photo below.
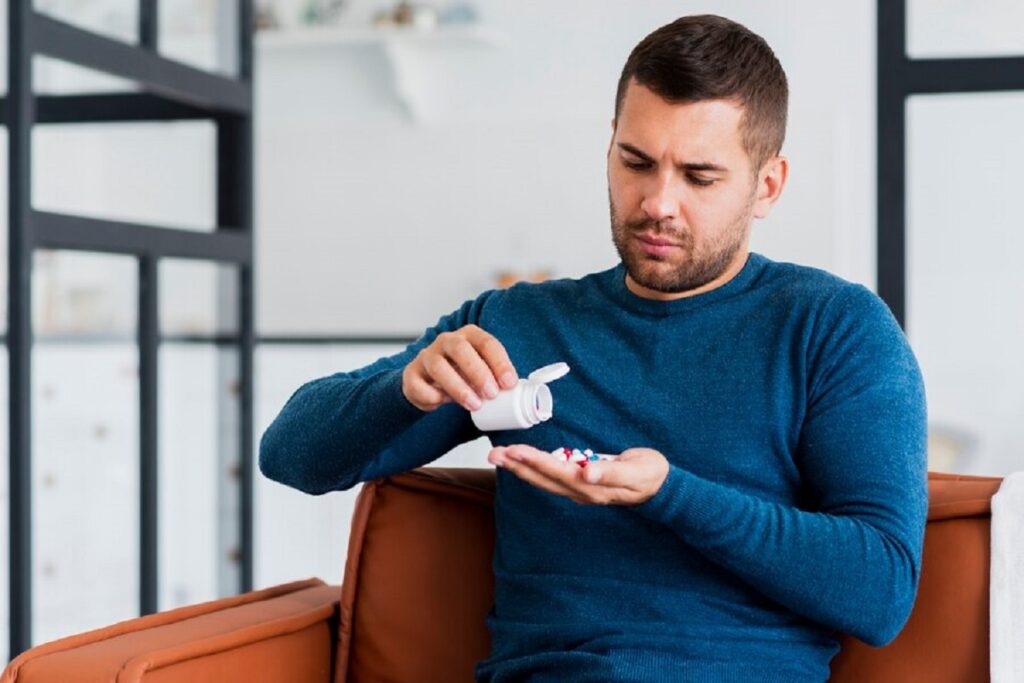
(458, 366)
(632, 478)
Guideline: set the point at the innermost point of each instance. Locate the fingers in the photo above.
(593, 474)
(462, 354)
(494, 355)
(569, 479)
(528, 472)
(611, 475)
(601, 482)
(449, 381)
(423, 394)
(429, 381)
(465, 366)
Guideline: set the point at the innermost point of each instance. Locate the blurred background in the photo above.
(406, 157)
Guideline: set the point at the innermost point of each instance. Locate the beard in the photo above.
(685, 269)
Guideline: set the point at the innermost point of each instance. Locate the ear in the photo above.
(770, 181)
(612, 141)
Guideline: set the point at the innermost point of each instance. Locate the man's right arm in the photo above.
(338, 431)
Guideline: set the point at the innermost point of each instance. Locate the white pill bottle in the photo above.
(522, 406)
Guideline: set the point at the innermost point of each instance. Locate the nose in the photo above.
(661, 201)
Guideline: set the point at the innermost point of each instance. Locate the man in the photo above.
(770, 490)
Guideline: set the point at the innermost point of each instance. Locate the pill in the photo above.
(566, 454)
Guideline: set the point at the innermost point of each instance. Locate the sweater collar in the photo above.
(614, 282)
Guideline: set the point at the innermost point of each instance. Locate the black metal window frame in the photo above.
(899, 78)
(169, 90)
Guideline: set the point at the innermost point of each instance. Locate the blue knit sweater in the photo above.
(792, 412)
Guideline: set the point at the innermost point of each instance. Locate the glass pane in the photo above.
(198, 298)
(199, 473)
(202, 33)
(85, 439)
(160, 174)
(965, 288)
(954, 28)
(299, 535)
(80, 293)
(112, 18)
(55, 77)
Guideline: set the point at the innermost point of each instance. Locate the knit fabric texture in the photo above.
(792, 411)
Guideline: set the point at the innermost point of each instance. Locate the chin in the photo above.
(656, 275)
(645, 263)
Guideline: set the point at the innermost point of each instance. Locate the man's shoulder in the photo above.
(835, 306)
(528, 302)
(554, 290)
(799, 283)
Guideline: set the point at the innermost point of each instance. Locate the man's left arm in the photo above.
(852, 563)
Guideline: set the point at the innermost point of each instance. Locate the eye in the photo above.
(701, 182)
(636, 166)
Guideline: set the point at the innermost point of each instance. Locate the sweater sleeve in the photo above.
(852, 562)
(337, 431)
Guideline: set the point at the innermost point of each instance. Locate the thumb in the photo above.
(610, 473)
(602, 472)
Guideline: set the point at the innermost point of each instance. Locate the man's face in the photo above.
(678, 174)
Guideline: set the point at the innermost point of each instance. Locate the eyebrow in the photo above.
(691, 166)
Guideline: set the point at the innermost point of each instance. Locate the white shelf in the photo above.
(275, 39)
(402, 46)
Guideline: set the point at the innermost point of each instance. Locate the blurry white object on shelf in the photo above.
(949, 447)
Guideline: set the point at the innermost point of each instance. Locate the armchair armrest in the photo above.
(284, 633)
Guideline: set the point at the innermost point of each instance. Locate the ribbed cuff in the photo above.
(657, 506)
(683, 501)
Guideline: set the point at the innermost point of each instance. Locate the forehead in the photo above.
(708, 128)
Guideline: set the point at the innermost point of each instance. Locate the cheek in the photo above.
(625, 191)
(619, 200)
(718, 206)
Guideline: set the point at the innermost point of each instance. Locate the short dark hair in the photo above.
(706, 57)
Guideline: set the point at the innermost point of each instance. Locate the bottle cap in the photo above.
(548, 373)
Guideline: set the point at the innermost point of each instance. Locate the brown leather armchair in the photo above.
(418, 585)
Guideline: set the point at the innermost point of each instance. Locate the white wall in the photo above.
(359, 204)
(965, 291)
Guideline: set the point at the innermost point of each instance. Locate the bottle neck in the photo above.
(536, 402)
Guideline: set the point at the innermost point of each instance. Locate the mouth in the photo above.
(656, 241)
(656, 246)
